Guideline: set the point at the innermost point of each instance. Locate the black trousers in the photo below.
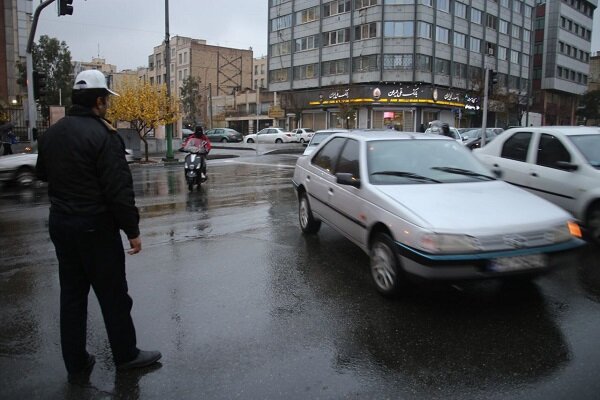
(7, 148)
(90, 253)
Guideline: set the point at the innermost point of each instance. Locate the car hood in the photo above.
(18, 159)
(474, 207)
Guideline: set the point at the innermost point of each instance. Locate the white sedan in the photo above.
(303, 135)
(18, 168)
(560, 164)
(270, 135)
(394, 196)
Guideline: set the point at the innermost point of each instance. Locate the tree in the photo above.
(145, 107)
(191, 100)
(292, 104)
(52, 57)
(589, 106)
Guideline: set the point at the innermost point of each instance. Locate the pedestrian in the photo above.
(91, 199)
(422, 128)
(8, 137)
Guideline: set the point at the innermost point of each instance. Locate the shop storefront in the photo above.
(403, 107)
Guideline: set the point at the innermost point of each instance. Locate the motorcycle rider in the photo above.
(199, 139)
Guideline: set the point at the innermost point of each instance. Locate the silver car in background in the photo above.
(395, 194)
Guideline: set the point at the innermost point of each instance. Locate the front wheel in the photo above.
(250, 141)
(385, 266)
(593, 223)
(301, 140)
(308, 224)
(224, 140)
(278, 141)
(25, 177)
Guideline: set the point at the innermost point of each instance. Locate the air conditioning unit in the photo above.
(490, 51)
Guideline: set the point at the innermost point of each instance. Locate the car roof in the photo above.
(386, 134)
(564, 130)
(333, 130)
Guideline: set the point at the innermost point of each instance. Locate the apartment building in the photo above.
(561, 66)
(594, 78)
(259, 73)
(14, 32)
(397, 63)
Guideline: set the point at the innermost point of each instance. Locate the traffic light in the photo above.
(493, 79)
(39, 85)
(65, 7)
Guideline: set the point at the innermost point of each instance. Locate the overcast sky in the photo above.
(125, 31)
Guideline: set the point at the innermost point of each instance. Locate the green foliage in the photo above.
(589, 106)
(191, 100)
(54, 58)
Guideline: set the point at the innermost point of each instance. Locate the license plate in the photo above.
(518, 263)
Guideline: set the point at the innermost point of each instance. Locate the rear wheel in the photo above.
(224, 140)
(385, 266)
(301, 140)
(308, 224)
(25, 177)
(593, 223)
(278, 141)
(250, 141)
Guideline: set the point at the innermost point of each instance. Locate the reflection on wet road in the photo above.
(243, 306)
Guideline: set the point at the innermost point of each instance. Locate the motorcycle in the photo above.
(195, 166)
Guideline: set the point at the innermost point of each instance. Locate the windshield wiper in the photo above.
(466, 172)
(404, 174)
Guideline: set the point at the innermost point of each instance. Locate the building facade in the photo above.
(259, 73)
(14, 33)
(594, 78)
(561, 66)
(398, 63)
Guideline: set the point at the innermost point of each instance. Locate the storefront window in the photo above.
(429, 116)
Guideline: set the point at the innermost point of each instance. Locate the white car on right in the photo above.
(558, 163)
(270, 135)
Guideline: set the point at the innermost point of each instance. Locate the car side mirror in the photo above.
(344, 178)
(567, 166)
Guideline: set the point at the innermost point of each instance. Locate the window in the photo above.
(517, 146)
(442, 35)
(460, 70)
(443, 5)
(491, 21)
(262, 82)
(397, 61)
(279, 75)
(504, 26)
(475, 73)
(528, 11)
(442, 67)
(475, 45)
(476, 16)
(180, 58)
(502, 55)
(460, 40)
(424, 30)
(504, 3)
(516, 6)
(336, 37)
(516, 31)
(255, 84)
(365, 63)
(427, 2)
(348, 161)
(366, 31)
(526, 35)
(525, 60)
(551, 151)
(279, 49)
(281, 22)
(423, 63)
(308, 15)
(335, 67)
(460, 10)
(180, 74)
(327, 157)
(308, 71)
(398, 29)
(185, 57)
(364, 3)
(307, 43)
(336, 7)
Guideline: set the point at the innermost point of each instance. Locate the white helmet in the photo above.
(91, 79)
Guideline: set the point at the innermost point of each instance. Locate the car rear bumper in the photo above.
(476, 265)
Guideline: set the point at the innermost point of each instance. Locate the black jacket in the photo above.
(83, 160)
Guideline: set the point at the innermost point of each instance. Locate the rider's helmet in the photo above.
(198, 132)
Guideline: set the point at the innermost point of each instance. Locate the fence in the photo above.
(18, 117)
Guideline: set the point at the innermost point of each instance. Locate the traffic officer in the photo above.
(91, 199)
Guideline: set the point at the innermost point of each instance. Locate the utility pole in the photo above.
(169, 126)
(210, 110)
(485, 106)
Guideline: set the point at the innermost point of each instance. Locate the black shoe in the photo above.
(83, 377)
(143, 359)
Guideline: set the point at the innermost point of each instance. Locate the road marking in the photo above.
(259, 164)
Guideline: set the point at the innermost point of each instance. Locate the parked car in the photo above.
(19, 168)
(318, 137)
(224, 135)
(560, 164)
(271, 135)
(438, 131)
(393, 195)
(303, 135)
(472, 138)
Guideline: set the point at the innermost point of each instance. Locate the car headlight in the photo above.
(447, 243)
(564, 232)
(187, 166)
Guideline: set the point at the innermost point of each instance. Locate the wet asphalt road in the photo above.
(243, 306)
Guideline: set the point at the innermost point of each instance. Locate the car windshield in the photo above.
(396, 162)
(476, 133)
(318, 138)
(589, 146)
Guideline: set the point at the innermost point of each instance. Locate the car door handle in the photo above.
(330, 191)
(534, 174)
(308, 177)
(496, 165)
